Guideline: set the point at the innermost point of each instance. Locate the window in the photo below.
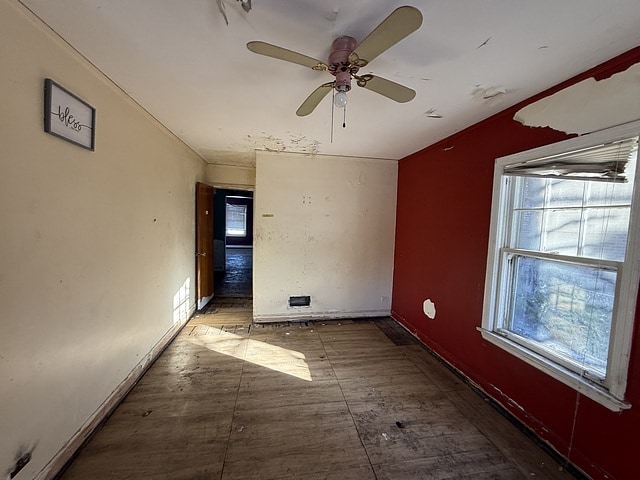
(562, 272)
(236, 220)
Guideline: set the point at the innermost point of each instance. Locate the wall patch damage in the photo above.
(429, 308)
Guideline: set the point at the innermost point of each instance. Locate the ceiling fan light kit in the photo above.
(340, 99)
(347, 57)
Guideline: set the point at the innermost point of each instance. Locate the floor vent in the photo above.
(300, 301)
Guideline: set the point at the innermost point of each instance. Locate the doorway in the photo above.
(233, 243)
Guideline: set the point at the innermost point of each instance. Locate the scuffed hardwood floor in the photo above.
(324, 400)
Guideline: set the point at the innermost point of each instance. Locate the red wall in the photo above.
(443, 216)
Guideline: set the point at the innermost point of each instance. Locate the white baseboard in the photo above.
(58, 462)
(301, 316)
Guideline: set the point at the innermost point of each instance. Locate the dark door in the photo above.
(204, 243)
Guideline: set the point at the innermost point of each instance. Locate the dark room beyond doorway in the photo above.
(233, 239)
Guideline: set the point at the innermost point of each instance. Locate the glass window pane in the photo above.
(566, 193)
(527, 230)
(565, 308)
(562, 232)
(609, 193)
(605, 233)
(531, 192)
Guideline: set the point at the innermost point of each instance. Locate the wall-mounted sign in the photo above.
(68, 117)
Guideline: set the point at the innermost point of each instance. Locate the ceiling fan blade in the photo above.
(274, 51)
(314, 99)
(389, 89)
(402, 22)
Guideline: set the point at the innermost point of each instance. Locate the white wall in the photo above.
(96, 249)
(324, 227)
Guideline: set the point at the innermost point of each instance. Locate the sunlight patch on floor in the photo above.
(259, 353)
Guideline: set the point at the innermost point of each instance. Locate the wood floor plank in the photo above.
(440, 375)
(395, 447)
(348, 368)
(521, 450)
(288, 459)
(316, 421)
(380, 388)
(156, 465)
(366, 336)
(265, 389)
(170, 404)
(345, 349)
(431, 416)
(478, 465)
(141, 448)
(363, 472)
(297, 461)
(294, 441)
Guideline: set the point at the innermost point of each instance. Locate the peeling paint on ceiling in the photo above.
(433, 113)
(588, 106)
(491, 96)
(293, 143)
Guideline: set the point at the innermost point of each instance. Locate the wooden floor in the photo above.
(324, 400)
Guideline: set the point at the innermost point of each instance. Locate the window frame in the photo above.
(610, 391)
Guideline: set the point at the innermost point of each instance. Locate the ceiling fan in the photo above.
(347, 57)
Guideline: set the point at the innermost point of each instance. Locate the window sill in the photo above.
(594, 392)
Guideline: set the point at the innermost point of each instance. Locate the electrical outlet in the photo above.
(384, 299)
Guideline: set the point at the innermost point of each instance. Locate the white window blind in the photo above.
(602, 162)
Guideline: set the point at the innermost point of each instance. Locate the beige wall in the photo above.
(240, 177)
(96, 250)
(324, 226)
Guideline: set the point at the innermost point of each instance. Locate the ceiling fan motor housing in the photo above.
(339, 64)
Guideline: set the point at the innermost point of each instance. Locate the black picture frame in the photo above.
(68, 117)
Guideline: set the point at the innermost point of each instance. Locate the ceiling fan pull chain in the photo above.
(344, 117)
(332, 110)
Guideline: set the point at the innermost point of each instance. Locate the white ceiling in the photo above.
(193, 72)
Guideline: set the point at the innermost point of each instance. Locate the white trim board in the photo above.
(300, 316)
